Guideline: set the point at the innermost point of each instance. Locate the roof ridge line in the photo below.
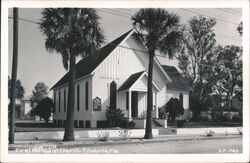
(98, 58)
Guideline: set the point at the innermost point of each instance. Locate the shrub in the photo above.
(236, 118)
(210, 133)
(124, 134)
(44, 108)
(162, 113)
(115, 117)
(206, 118)
(103, 136)
(224, 118)
(102, 124)
(131, 124)
(180, 123)
(174, 107)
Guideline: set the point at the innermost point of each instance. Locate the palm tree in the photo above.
(71, 32)
(158, 30)
(13, 78)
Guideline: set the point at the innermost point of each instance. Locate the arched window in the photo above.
(78, 97)
(64, 97)
(59, 102)
(87, 95)
(54, 102)
(113, 95)
(181, 98)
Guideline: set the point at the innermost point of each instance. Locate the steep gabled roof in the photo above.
(178, 82)
(88, 64)
(130, 81)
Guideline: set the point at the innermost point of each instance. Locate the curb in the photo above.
(95, 142)
(146, 141)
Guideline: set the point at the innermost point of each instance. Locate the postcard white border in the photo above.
(5, 157)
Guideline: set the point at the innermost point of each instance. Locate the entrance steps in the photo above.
(156, 124)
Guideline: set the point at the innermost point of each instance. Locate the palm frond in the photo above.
(158, 29)
(84, 37)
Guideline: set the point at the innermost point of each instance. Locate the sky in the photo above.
(35, 64)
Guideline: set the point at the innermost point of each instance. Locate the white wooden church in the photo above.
(117, 76)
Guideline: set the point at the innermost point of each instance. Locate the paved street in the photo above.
(228, 145)
(210, 146)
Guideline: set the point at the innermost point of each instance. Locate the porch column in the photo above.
(129, 104)
(156, 107)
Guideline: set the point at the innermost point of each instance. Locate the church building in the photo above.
(117, 76)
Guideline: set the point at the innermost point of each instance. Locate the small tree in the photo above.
(199, 46)
(19, 93)
(240, 28)
(44, 108)
(115, 117)
(19, 89)
(39, 93)
(174, 108)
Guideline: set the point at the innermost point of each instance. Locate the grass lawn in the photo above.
(38, 126)
(208, 124)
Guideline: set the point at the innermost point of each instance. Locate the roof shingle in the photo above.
(178, 82)
(88, 64)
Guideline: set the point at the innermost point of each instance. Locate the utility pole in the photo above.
(13, 77)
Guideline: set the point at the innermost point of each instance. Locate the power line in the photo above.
(234, 11)
(110, 12)
(230, 11)
(145, 52)
(121, 11)
(227, 36)
(219, 32)
(196, 12)
(26, 20)
(223, 35)
(115, 13)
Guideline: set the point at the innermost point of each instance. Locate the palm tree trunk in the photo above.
(13, 78)
(148, 130)
(69, 126)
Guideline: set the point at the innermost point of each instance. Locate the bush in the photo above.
(103, 136)
(131, 124)
(102, 124)
(115, 117)
(124, 134)
(162, 113)
(236, 118)
(174, 107)
(44, 109)
(224, 118)
(180, 123)
(205, 119)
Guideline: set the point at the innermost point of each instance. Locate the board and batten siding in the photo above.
(118, 66)
(82, 113)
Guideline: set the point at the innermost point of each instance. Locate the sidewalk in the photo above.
(88, 142)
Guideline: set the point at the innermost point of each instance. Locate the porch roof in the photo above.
(132, 80)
